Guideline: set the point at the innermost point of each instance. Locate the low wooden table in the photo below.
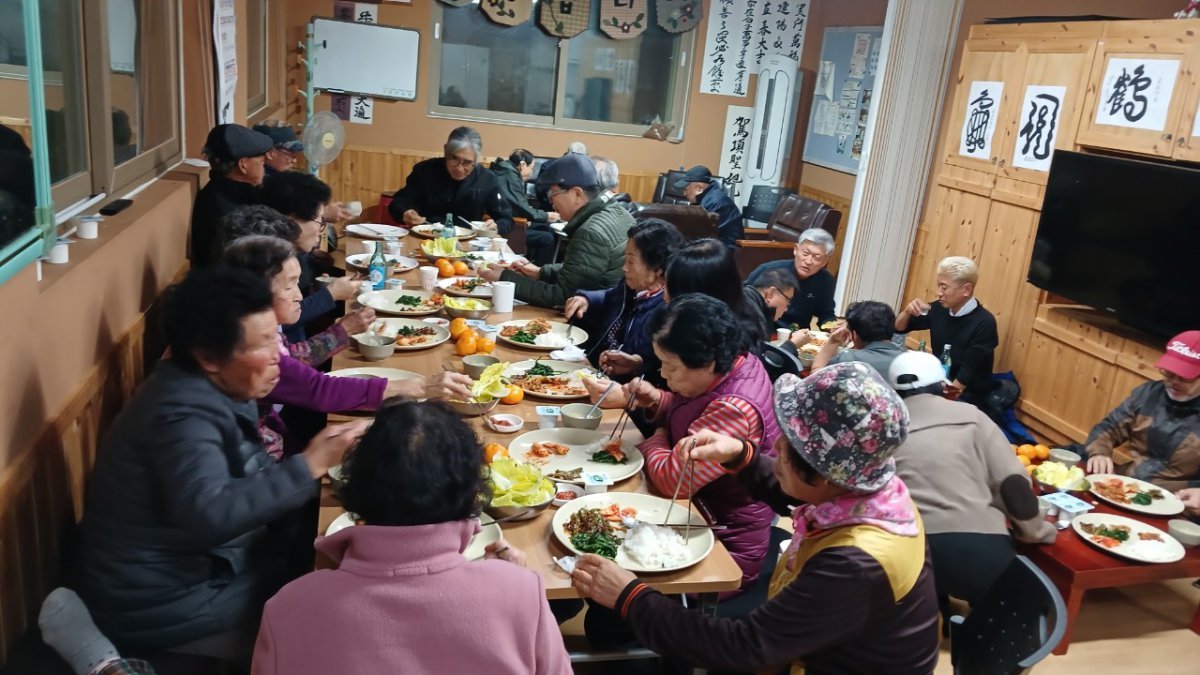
(717, 572)
(1076, 566)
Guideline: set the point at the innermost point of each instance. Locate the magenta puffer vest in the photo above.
(724, 500)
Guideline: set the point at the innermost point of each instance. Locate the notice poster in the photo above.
(735, 143)
(225, 46)
(825, 120)
(858, 58)
(1136, 93)
(979, 123)
(1039, 126)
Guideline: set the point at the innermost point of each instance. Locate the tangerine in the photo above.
(493, 450)
(466, 345)
(1043, 452)
(1029, 469)
(457, 326)
(486, 345)
(515, 395)
(1024, 459)
(461, 268)
(1026, 451)
(445, 268)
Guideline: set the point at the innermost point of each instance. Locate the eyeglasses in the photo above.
(321, 221)
(459, 162)
(809, 255)
(552, 195)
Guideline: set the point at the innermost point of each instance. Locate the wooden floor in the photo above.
(1137, 630)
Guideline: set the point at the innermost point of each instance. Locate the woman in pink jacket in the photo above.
(403, 599)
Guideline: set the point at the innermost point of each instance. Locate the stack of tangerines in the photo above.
(447, 269)
(1029, 455)
(467, 341)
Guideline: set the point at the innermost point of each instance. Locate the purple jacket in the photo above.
(748, 521)
(303, 386)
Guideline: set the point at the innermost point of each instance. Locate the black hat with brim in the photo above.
(696, 174)
(231, 142)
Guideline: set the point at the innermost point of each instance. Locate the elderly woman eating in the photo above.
(175, 554)
(403, 598)
(854, 592)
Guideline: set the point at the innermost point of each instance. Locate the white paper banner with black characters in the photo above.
(743, 34)
(361, 108)
(1039, 119)
(739, 121)
(1136, 93)
(979, 124)
(724, 72)
(779, 30)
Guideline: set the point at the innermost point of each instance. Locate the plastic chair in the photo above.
(778, 361)
(1016, 625)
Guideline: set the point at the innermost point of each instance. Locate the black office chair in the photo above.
(762, 202)
(778, 361)
(1016, 625)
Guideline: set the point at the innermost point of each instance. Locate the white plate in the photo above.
(650, 509)
(375, 230)
(1169, 505)
(385, 373)
(385, 301)
(569, 369)
(434, 231)
(484, 291)
(391, 325)
(578, 335)
(583, 444)
(1166, 551)
(488, 534)
(363, 260)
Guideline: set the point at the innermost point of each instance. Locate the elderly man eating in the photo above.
(814, 284)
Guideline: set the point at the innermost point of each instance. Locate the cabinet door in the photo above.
(1187, 142)
(1135, 94)
(1049, 100)
(980, 115)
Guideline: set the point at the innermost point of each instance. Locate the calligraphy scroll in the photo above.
(507, 12)
(1039, 126)
(1137, 93)
(565, 18)
(721, 75)
(623, 19)
(979, 123)
(456, 3)
(778, 30)
(679, 16)
(739, 121)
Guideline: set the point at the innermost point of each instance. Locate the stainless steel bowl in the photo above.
(472, 409)
(573, 416)
(469, 313)
(521, 512)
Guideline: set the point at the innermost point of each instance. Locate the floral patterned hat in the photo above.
(845, 421)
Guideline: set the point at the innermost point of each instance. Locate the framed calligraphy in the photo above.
(1039, 126)
(1137, 93)
(979, 123)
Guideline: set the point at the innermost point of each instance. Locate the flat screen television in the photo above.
(1123, 236)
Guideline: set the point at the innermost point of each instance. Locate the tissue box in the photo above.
(594, 483)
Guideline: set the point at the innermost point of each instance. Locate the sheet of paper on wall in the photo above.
(873, 59)
(735, 143)
(225, 45)
(366, 12)
(857, 145)
(825, 79)
(604, 59)
(846, 120)
(842, 143)
(850, 91)
(1136, 93)
(858, 57)
(361, 109)
(1038, 126)
(825, 121)
(979, 122)
(626, 76)
(725, 69)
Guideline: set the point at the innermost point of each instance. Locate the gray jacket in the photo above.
(175, 520)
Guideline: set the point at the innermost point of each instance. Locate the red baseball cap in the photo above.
(1183, 355)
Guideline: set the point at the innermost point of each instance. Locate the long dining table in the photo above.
(717, 572)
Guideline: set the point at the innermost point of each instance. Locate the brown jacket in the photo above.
(1156, 439)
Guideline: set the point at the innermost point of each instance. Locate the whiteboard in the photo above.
(831, 150)
(363, 58)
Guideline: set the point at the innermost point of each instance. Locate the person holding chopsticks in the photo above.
(854, 592)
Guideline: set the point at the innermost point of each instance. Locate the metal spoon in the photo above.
(611, 384)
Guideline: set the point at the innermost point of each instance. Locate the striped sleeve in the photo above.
(729, 415)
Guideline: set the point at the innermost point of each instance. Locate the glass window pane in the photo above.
(256, 55)
(17, 194)
(140, 83)
(486, 66)
(622, 81)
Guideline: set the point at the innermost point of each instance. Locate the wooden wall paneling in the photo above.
(1059, 62)
(1064, 386)
(1000, 60)
(1124, 382)
(958, 228)
(1141, 40)
(1077, 30)
(1187, 145)
(1006, 250)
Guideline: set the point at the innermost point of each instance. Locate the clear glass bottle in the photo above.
(946, 362)
(377, 269)
(448, 231)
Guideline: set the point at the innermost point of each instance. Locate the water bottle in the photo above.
(921, 346)
(377, 268)
(448, 230)
(946, 362)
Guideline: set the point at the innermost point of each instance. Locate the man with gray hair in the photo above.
(814, 284)
(456, 183)
(610, 181)
(577, 147)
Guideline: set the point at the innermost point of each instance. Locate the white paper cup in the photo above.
(366, 287)
(369, 246)
(503, 294)
(355, 208)
(782, 334)
(59, 255)
(429, 276)
(498, 244)
(395, 248)
(87, 229)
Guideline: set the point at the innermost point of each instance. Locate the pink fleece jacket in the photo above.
(404, 600)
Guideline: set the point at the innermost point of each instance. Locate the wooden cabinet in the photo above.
(998, 61)
(1137, 63)
(1187, 141)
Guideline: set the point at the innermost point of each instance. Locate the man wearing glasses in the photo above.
(597, 231)
(814, 284)
(456, 184)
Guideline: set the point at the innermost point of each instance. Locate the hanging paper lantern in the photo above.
(679, 16)
(507, 12)
(565, 18)
(623, 19)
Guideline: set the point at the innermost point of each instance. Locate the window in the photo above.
(588, 83)
(257, 45)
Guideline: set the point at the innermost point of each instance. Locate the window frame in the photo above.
(682, 82)
(275, 67)
(257, 12)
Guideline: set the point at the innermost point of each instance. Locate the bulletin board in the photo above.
(844, 93)
(365, 58)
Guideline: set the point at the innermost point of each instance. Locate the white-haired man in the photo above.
(958, 323)
(814, 284)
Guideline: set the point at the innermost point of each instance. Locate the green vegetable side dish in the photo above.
(1119, 535)
(408, 300)
(517, 484)
(523, 337)
(595, 542)
(539, 368)
(1142, 499)
(603, 457)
